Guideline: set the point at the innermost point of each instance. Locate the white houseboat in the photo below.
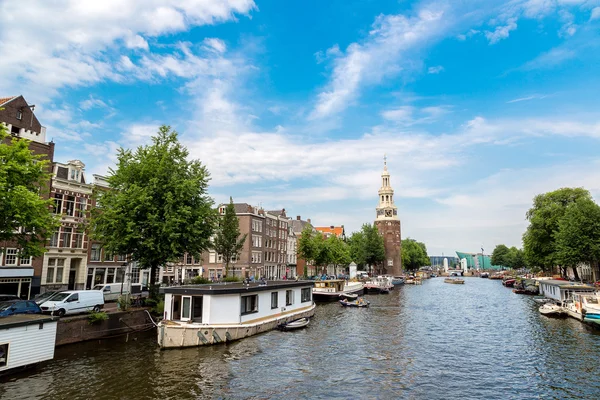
(26, 340)
(577, 300)
(561, 291)
(198, 315)
(335, 289)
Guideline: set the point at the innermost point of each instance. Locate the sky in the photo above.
(479, 105)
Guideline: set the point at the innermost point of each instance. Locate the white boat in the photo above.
(379, 284)
(297, 324)
(456, 281)
(25, 340)
(333, 289)
(198, 315)
(584, 307)
(551, 309)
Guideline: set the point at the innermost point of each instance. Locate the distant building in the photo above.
(328, 231)
(478, 261)
(22, 276)
(438, 261)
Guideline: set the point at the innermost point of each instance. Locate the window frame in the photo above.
(289, 297)
(274, 296)
(303, 297)
(249, 304)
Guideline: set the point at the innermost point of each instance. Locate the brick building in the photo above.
(22, 275)
(276, 245)
(297, 226)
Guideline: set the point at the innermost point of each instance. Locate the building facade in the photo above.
(388, 225)
(65, 262)
(22, 276)
(302, 267)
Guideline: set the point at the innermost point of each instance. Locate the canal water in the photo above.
(435, 341)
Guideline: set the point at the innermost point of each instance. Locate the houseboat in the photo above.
(198, 315)
(335, 289)
(584, 306)
(561, 291)
(26, 340)
(380, 284)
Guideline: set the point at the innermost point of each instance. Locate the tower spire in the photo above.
(384, 161)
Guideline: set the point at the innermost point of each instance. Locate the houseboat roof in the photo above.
(25, 319)
(566, 284)
(231, 288)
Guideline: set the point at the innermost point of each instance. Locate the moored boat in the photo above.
(332, 289)
(198, 315)
(360, 302)
(551, 309)
(509, 282)
(297, 324)
(456, 281)
(398, 280)
(484, 275)
(379, 284)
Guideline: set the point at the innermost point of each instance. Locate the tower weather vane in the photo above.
(384, 159)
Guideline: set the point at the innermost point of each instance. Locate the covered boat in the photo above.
(379, 284)
(456, 281)
(297, 324)
(360, 302)
(333, 289)
(198, 315)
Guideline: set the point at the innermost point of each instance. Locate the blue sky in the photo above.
(479, 105)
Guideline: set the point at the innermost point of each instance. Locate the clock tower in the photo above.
(388, 225)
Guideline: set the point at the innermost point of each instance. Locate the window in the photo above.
(70, 205)
(78, 240)
(188, 259)
(110, 275)
(108, 256)
(273, 300)
(11, 257)
(73, 297)
(121, 257)
(58, 198)
(25, 261)
(19, 115)
(66, 237)
(50, 273)
(289, 297)
(219, 258)
(212, 257)
(81, 204)
(3, 354)
(95, 254)
(305, 295)
(249, 304)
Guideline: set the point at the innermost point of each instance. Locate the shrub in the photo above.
(159, 308)
(123, 303)
(97, 317)
(200, 280)
(232, 279)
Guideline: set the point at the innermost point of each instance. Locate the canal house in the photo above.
(561, 291)
(26, 340)
(197, 315)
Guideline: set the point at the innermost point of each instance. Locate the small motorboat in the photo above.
(509, 282)
(456, 281)
(360, 302)
(297, 324)
(349, 296)
(484, 275)
(551, 309)
(541, 299)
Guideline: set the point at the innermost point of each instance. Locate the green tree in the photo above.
(338, 252)
(414, 254)
(306, 249)
(25, 217)
(501, 256)
(517, 258)
(539, 242)
(158, 208)
(228, 241)
(374, 245)
(578, 235)
(358, 251)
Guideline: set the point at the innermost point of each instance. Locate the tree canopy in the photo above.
(539, 240)
(508, 257)
(227, 240)
(25, 217)
(414, 254)
(321, 251)
(158, 208)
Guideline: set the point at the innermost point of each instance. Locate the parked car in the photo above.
(42, 297)
(74, 302)
(13, 307)
(112, 291)
(5, 297)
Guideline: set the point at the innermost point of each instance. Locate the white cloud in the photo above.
(68, 42)
(435, 70)
(527, 98)
(501, 32)
(215, 44)
(378, 56)
(550, 58)
(595, 14)
(409, 115)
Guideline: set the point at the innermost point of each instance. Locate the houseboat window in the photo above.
(197, 304)
(3, 354)
(249, 304)
(289, 297)
(274, 301)
(186, 302)
(305, 295)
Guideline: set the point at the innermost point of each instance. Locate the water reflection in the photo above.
(477, 340)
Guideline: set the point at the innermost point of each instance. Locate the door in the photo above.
(72, 275)
(186, 308)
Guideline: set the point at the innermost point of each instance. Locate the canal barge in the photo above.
(25, 340)
(334, 289)
(198, 315)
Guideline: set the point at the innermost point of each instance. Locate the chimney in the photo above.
(297, 218)
(332, 226)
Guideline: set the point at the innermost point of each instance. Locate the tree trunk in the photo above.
(576, 274)
(152, 286)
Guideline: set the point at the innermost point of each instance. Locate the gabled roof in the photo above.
(4, 100)
(331, 230)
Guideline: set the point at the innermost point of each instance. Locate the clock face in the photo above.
(388, 213)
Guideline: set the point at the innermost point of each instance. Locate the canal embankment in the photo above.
(82, 328)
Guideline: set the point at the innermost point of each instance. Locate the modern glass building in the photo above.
(478, 261)
(438, 261)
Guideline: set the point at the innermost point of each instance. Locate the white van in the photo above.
(112, 291)
(74, 302)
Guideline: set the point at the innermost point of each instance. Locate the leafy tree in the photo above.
(228, 241)
(578, 235)
(539, 241)
(306, 249)
(374, 245)
(158, 208)
(501, 256)
(517, 258)
(358, 251)
(25, 217)
(414, 254)
(338, 252)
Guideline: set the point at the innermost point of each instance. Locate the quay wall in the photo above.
(78, 328)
